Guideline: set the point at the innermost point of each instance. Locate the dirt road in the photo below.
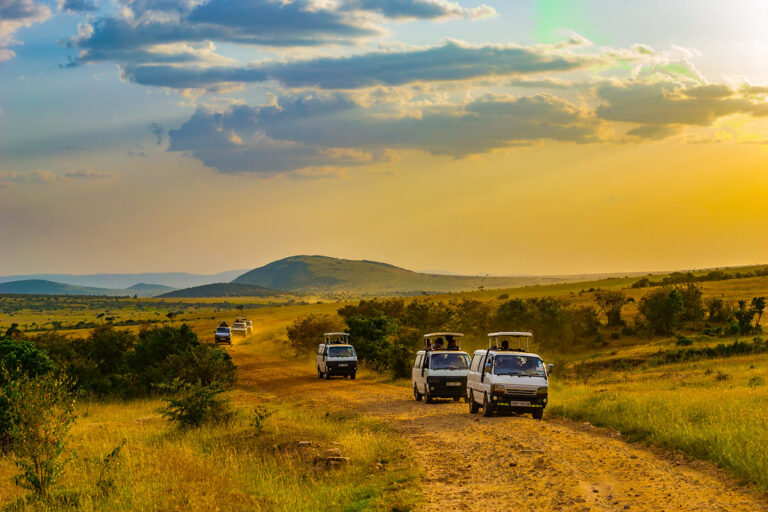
(512, 463)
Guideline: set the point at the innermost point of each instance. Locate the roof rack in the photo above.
(336, 338)
(443, 341)
(504, 340)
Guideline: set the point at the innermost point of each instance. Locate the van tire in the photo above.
(319, 373)
(456, 398)
(416, 395)
(473, 406)
(538, 413)
(487, 406)
(327, 375)
(427, 396)
(352, 376)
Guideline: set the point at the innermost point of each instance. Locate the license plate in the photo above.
(343, 364)
(519, 404)
(453, 383)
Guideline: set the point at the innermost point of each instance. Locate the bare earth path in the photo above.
(511, 463)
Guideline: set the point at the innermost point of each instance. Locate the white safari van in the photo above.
(335, 356)
(440, 370)
(506, 377)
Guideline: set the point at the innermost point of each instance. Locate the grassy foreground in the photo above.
(227, 467)
(715, 409)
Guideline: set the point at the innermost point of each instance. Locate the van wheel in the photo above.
(319, 373)
(456, 398)
(487, 406)
(352, 376)
(538, 413)
(327, 375)
(416, 395)
(473, 406)
(427, 396)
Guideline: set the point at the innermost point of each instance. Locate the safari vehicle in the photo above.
(440, 370)
(249, 326)
(239, 328)
(506, 377)
(335, 356)
(223, 334)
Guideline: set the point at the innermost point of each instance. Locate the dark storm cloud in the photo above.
(665, 103)
(451, 61)
(335, 131)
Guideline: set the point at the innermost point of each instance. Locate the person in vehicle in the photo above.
(439, 344)
(505, 345)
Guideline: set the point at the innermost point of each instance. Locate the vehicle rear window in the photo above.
(223, 330)
(341, 352)
(449, 361)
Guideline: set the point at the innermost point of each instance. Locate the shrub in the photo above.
(306, 332)
(611, 303)
(719, 310)
(756, 381)
(17, 359)
(261, 414)
(682, 341)
(744, 316)
(194, 405)
(662, 310)
(693, 305)
(202, 364)
(503, 296)
(372, 339)
(41, 412)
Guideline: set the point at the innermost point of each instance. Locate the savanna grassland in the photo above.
(699, 389)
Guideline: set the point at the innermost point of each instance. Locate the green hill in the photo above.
(325, 274)
(43, 287)
(223, 290)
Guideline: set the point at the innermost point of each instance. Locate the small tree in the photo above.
(306, 332)
(610, 303)
(662, 310)
(194, 405)
(719, 310)
(758, 304)
(372, 338)
(693, 305)
(744, 316)
(41, 412)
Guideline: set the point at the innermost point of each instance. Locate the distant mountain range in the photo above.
(44, 287)
(125, 281)
(299, 274)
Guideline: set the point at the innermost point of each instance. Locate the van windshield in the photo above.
(449, 361)
(222, 330)
(341, 352)
(507, 364)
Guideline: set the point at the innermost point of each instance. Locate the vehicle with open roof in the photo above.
(440, 370)
(239, 327)
(335, 356)
(507, 377)
(223, 334)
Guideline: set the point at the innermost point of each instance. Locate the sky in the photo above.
(496, 136)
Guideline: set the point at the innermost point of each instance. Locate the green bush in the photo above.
(306, 332)
(202, 364)
(194, 405)
(662, 310)
(41, 412)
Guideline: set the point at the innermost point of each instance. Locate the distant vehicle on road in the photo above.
(506, 377)
(249, 326)
(239, 328)
(335, 356)
(440, 370)
(223, 334)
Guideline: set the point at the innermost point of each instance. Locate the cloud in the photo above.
(420, 9)
(333, 130)
(451, 61)
(157, 131)
(74, 6)
(665, 103)
(47, 177)
(90, 175)
(15, 14)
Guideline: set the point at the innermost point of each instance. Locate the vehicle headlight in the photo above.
(498, 389)
(542, 391)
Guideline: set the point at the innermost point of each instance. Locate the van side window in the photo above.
(475, 363)
(319, 350)
(417, 363)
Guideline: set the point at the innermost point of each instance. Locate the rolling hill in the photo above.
(326, 274)
(173, 280)
(223, 290)
(43, 287)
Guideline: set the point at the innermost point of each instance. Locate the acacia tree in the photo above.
(662, 310)
(758, 304)
(610, 303)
